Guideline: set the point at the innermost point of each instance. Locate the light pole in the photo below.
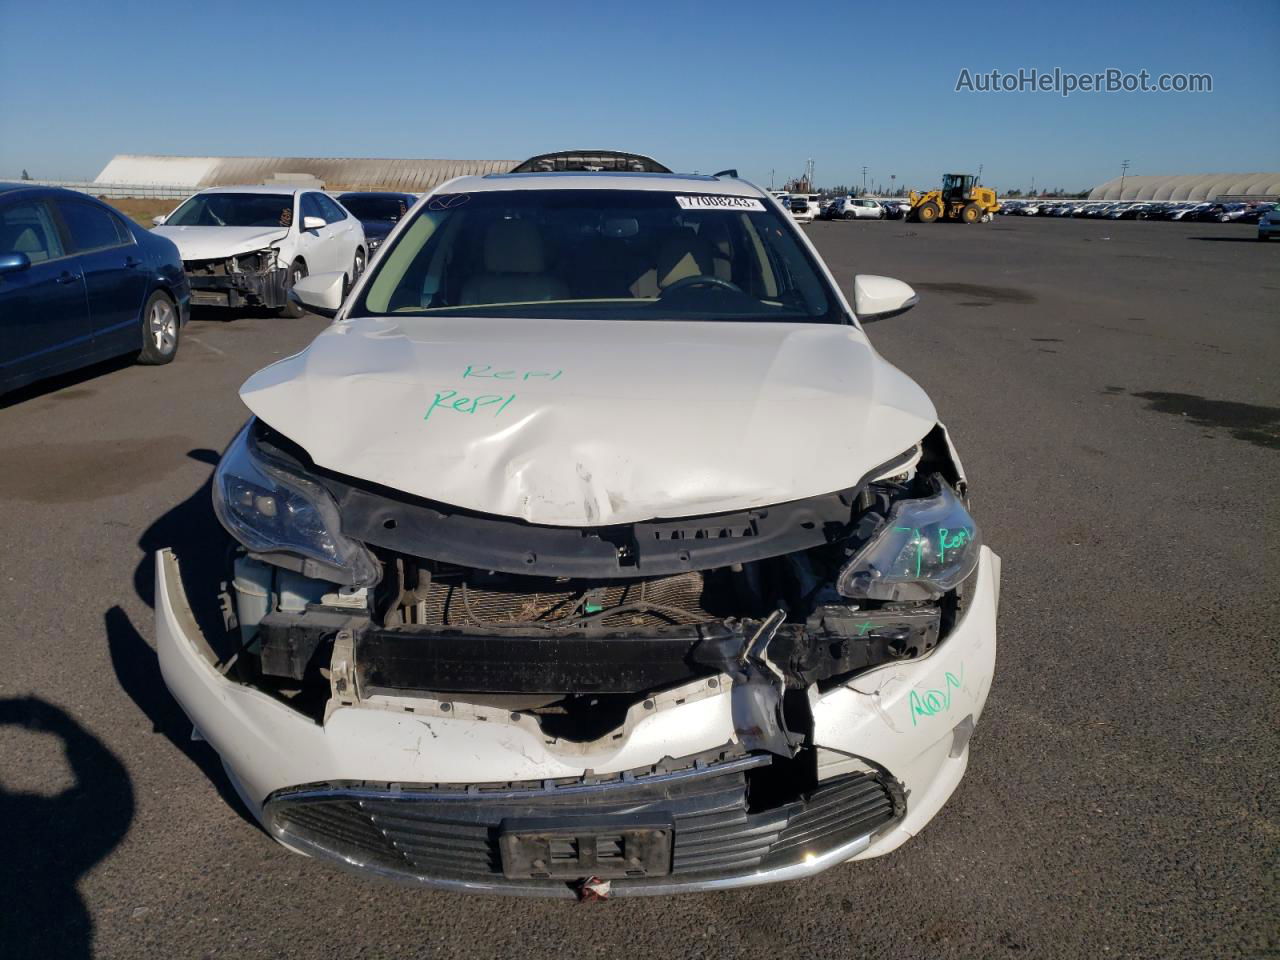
(1124, 168)
(893, 186)
(864, 180)
(979, 173)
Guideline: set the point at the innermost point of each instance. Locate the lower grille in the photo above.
(209, 298)
(452, 833)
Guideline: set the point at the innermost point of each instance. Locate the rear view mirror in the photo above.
(312, 223)
(878, 298)
(320, 293)
(14, 262)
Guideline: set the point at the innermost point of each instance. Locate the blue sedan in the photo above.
(80, 283)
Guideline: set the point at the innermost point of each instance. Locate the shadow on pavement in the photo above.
(194, 534)
(1227, 239)
(62, 381)
(138, 673)
(203, 549)
(55, 840)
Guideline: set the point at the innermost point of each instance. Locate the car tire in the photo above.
(297, 270)
(928, 212)
(971, 213)
(160, 330)
(357, 265)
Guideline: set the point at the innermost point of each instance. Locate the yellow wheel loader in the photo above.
(959, 199)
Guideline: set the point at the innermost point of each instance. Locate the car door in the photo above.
(347, 231)
(325, 251)
(115, 273)
(44, 313)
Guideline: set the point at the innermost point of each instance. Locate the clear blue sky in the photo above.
(760, 87)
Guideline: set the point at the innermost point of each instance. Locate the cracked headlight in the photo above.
(273, 510)
(924, 548)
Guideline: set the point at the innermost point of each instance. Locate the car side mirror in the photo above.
(14, 263)
(158, 221)
(878, 298)
(312, 223)
(320, 293)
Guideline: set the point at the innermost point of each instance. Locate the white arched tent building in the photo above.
(1196, 186)
(336, 173)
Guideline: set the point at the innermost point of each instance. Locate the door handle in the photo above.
(67, 277)
(132, 262)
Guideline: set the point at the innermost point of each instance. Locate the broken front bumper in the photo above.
(240, 289)
(363, 788)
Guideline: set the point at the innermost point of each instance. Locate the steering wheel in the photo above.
(701, 280)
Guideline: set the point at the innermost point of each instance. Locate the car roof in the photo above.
(261, 188)
(661, 182)
(371, 193)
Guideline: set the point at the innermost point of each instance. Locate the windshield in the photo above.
(599, 254)
(234, 210)
(376, 208)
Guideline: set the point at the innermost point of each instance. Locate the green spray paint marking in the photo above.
(485, 370)
(935, 701)
(449, 400)
(945, 543)
(919, 542)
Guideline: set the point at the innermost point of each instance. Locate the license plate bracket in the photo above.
(570, 848)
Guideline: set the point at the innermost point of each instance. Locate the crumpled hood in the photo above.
(585, 422)
(211, 243)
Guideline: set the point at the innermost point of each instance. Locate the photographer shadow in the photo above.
(56, 839)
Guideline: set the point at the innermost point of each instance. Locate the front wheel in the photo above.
(928, 212)
(297, 271)
(159, 330)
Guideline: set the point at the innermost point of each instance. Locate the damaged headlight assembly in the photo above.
(273, 511)
(924, 548)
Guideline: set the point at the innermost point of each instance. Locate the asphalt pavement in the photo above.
(1112, 388)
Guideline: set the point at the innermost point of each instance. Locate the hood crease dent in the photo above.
(590, 423)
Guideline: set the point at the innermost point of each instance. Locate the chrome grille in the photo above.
(430, 832)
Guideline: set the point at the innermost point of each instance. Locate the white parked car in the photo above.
(851, 208)
(802, 208)
(553, 572)
(246, 246)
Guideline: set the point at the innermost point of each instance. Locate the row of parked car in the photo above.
(806, 207)
(80, 283)
(1187, 210)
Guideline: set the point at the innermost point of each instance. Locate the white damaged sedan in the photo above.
(592, 549)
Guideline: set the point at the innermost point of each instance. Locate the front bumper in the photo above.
(905, 725)
(239, 289)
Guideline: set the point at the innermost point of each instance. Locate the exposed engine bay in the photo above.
(576, 627)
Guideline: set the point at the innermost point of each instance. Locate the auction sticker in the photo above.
(719, 202)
